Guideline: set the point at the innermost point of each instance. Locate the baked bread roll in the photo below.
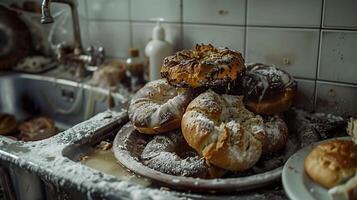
(37, 129)
(332, 162)
(223, 131)
(158, 107)
(170, 154)
(204, 66)
(267, 89)
(110, 74)
(8, 124)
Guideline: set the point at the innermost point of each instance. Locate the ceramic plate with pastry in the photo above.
(325, 170)
(183, 127)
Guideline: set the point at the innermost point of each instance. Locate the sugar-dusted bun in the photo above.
(332, 162)
(158, 107)
(275, 132)
(8, 124)
(220, 129)
(204, 66)
(268, 90)
(169, 153)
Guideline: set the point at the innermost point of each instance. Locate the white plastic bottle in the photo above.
(156, 50)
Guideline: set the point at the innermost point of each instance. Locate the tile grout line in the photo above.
(318, 54)
(245, 29)
(181, 25)
(131, 34)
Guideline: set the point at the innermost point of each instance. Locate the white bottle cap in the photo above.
(158, 33)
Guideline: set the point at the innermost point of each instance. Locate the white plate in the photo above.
(297, 184)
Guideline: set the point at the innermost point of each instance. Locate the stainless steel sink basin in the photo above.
(66, 102)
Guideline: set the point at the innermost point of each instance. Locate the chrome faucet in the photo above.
(93, 56)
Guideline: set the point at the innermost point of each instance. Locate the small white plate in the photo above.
(297, 184)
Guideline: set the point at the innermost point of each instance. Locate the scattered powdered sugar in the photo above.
(162, 153)
(45, 159)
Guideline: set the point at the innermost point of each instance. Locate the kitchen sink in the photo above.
(66, 102)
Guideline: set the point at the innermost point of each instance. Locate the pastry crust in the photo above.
(267, 89)
(205, 66)
(220, 129)
(332, 162)
(158, 107)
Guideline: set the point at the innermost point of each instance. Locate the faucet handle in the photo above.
(100, 55)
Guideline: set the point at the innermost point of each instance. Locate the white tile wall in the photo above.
(305, 13)
(214, 11)
(226, 36)
(341, 13)
(108, 9)
(287, 33)
(170, 10)
(339, 56)
(113, 36)
(305, 97)
(336, 98)
(294, 50)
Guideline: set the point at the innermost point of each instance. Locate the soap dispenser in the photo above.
(156, 50)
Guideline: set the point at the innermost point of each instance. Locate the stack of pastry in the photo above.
(228, 132)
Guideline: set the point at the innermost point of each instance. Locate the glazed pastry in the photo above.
(8, 124)
(110, 74)
(267, 89)
(37, 129)
(158, 107)
(223, 131)
(171, 154)
(332, 162)
(205, 66)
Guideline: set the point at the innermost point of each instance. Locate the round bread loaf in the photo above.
(158, 107)
(37, 129)
(268, 90)
(8, 124)
(332, 162)
(171, 154)
(110, 74)
(205, 66)
(223, 131)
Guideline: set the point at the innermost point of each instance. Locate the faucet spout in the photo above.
(47, 18)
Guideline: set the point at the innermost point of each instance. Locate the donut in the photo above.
(158, 107)
(8, 124)
(223, 131)
(170, 154)
(37, 129)
(204, 66)
(268, 90)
